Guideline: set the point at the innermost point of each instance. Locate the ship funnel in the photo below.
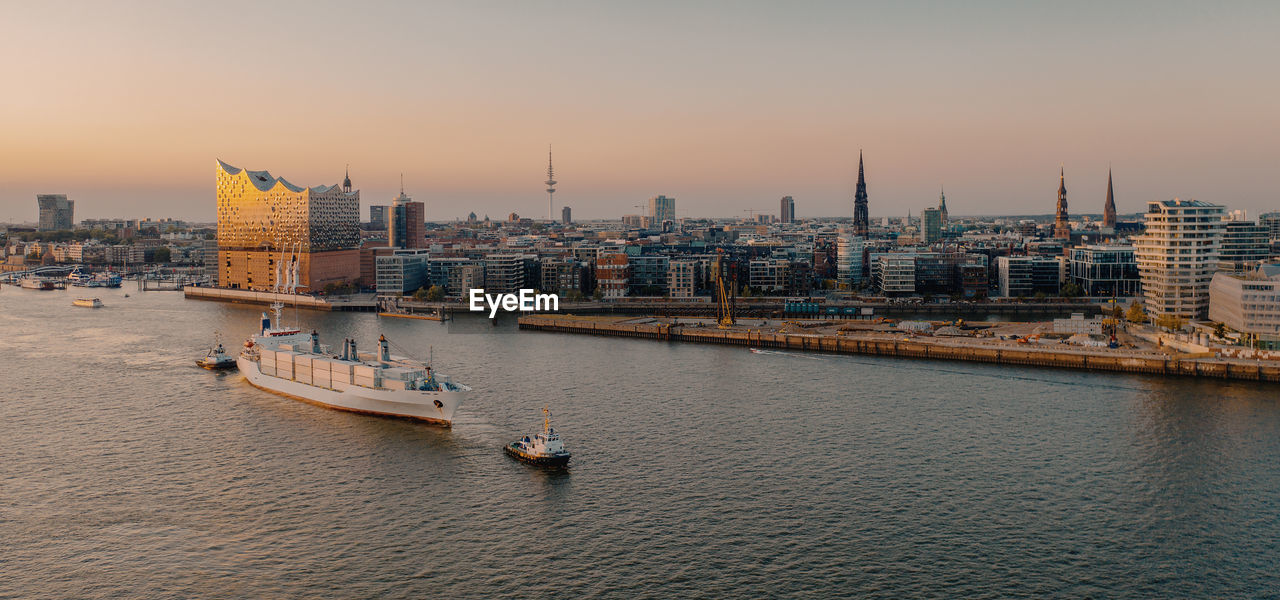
(355, 354)
(384, 353)
(315, 342)
(346, 349)
(266, 323)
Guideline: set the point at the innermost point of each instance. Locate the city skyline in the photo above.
(725, 110)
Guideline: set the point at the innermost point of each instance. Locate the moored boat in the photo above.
(546, 448)
(32, 282)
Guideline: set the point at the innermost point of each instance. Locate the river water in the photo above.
(698, 471)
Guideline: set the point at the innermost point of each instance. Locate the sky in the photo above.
(727, 106)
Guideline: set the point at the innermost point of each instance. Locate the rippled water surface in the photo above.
(699, 471)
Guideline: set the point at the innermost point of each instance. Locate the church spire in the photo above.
(1061, 224)
(942, 202)
(1109, 209)
(860, 220)
(346, 181)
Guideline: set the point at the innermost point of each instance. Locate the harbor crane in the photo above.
(726, 290)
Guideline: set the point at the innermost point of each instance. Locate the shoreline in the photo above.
(914, 347)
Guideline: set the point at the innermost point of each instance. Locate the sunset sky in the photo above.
(726, 106)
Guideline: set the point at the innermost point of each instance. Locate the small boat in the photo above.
(757, 351)
(87, 302)
(217, 359)
(544, 448)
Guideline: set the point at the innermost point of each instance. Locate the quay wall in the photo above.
(255, 297)
(1036, 357)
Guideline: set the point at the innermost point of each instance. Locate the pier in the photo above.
(1122, 361)
(359, 303)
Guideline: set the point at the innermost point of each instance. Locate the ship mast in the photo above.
(546, 420)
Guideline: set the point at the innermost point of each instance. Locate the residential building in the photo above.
(406, 224)
(682, 278)
(768, 275)
(1177, 256)
(612, 275)
(894, 274)
(504, 273)
(272, 232)
(648, 275)
(56, 212)
(566, 215)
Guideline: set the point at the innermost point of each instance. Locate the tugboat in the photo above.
(217, 359)
(545, 449)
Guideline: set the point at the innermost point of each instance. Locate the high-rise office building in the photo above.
(56, 212)
(378, 216)
(1061, 224)
(850, 259)
(931, 225)
(1177, 256)
(662, 208)
(566, 215)
(1244, 244)
(861, 224)
(788, 210)
(1271, 221)
(274, 235)
(406, 223)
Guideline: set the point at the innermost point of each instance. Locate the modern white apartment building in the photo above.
(1178, 254)
(895, 274)
(1249, 304)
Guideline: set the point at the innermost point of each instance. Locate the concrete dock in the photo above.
(1125, 360)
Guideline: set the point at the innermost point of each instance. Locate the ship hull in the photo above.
(407, 404)
(555, 460)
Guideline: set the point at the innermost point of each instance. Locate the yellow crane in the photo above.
(726, 291)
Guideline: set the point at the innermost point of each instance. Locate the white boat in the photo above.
(32, 282)
(544, 448)
(217, 359)
(288, 362)
(87, 302)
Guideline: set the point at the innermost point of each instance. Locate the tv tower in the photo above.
(551, 185)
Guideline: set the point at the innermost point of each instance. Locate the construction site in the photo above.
(1100, 343)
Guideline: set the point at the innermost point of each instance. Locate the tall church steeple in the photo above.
(1061, 225)
(346, 181)
(1109, 209)
(861, 223)
(942, 202)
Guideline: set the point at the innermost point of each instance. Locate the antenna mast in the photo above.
(551, 185)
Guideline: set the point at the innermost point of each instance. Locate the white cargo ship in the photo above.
(295, 364)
